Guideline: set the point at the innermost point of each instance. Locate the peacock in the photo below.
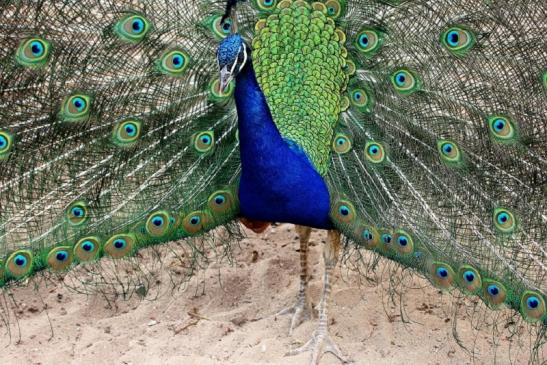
(415, 130)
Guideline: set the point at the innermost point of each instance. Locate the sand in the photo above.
(232, 320)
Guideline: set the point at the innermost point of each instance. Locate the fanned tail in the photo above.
(441, 158)
(114, 132)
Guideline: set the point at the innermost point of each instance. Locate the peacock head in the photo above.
(231, 56)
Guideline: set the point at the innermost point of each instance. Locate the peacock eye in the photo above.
(374, 152)
(442, 272)
(203, 142)
(76, 108)
(504, 220)
(341, 144)
(501, 128)
(59, 258)
(386, 238)
(458, 40)
(127, 132)
(369, 41)
(132, 28)
(174, 63)
(494, 293)
(334, 8)
(266, 5)
(469, 279)
(441, 275)
(6, 144)
(218, 95)
(77, 213)
(469, 276)
(404, 81)
(87, 248)
(532, 306)
(221, 28)
(221, 202)
(33, 52)
(219, 199)
(360, 98)
(343, 212)
(449, 152)
(19, 263)
(157, 224)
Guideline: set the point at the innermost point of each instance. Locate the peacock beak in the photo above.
(225, 78)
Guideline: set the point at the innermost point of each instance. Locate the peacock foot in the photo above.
(319, 344)
(301, 311)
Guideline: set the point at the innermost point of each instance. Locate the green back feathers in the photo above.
(298, 56)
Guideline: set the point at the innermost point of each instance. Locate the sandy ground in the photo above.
(233, 320)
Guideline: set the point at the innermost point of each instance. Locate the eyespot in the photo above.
(404, 242)
(87, 248)
(19, 263)
(341, 144)
(6, 144)
(119, 245)
(204, 142)
(501, 128)
(374, 152)
(532, 306)
(127, 132)
(449, 152)
(361, 99)
(442, 275)
(216, 94)
(370, 237)
(221, 29)
(350, 68)
(75, 108)
(173, 63)
(222, 202)
(194, 222)
(458, 40)
(33, 52)
(386, 238)
(265, 5)
(494, 293)
(158, 224)
(469, 279)
(405, 81)
(504, 220)
(77, 213)
(132, 28)
(59, 258)
(334, 8)
(369, 41)
(343, 212)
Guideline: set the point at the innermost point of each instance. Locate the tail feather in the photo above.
(446, 172)
(114, 112)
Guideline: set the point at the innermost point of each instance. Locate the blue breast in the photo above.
(278, 182)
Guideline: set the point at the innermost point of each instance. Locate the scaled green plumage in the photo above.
(299, 58)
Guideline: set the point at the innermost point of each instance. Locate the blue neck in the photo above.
(278, 182)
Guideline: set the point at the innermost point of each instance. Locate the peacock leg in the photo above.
(321, 341)
(302, 309)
